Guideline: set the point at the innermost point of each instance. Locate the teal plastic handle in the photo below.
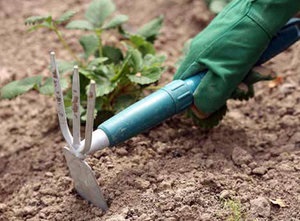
(173, 98)
(178, 95)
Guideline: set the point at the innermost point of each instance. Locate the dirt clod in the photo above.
(241, 156)
(260, 207)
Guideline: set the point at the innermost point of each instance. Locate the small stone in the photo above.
(205, 217)
(36, 186)
(295, 138)
(142, 184)
(162, 148)
(166, 184)
(27, 210)
(171, 219)
(121, 151)
(116, 218)
(2, 207)
(110, 166)
(209, 163)
(48, 200)
(237, 115)
(285, 167)
(260, 170)
(49, 174)
(185, 209)
(247, 170)
(252, 165)
(297, 166)
(225, 194)
(241, 156)
(260, 207)
(270, 137)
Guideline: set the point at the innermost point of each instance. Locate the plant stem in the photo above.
(100, 47)
(65, 44)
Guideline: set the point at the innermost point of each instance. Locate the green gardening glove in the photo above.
(230, 46)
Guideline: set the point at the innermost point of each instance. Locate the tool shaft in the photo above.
(152, 110)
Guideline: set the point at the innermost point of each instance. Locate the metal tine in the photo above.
(76, 108)
(60, 102)
(89, 118)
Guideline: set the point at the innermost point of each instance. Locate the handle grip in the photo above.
(178, 95)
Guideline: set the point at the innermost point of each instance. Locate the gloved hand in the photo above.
(229, 47)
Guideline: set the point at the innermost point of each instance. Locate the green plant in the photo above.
(122, 69)
(235, 209)
(216, 6)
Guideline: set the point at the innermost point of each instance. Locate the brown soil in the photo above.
(175, 171)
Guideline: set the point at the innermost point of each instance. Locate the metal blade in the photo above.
(84, 180)
(60, 102)
(89, 118)
(76, 108)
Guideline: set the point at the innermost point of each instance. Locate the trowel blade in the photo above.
(84, 180)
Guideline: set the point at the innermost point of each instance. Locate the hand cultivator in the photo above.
(150, 111)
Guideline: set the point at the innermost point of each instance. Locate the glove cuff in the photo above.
(271, 15)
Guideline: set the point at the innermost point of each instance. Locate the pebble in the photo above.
(166, 184)
(116, 218)
(240, 156)
(121, 151)
(36, 186)
(295, 138)
(185, 209)
(260, 207)
(285, 167)
(205, 217)
(260, 170)
(27, 210)
(2, 207)
(49, 174)
(225, 194)
(141, 183)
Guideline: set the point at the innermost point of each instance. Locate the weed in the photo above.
(235, 210)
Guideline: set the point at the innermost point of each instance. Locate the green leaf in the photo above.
(104, 86)
(65, 66)
(65, 17)
(124, 101)
(142, 45)
(150, 30)
(136, 60)
(98, 11)
(154, 60)
(116, 21)
(122, 69)
(80, 24)
(216, 6)
(102, 76)
(90, 44)
(147, 76)
(48, 89)
(89, 74)
(33, 20)
(15, 88)
(36, 27)
(113, 54)
(151, 71)
(96, 62)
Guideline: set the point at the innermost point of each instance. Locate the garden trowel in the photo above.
(143, 115)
